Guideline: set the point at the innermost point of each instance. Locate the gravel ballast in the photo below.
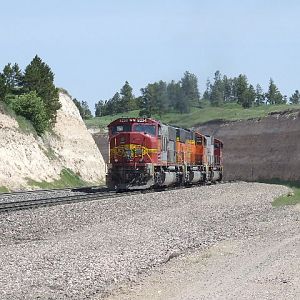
(87, 250)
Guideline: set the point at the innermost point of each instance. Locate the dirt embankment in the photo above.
(263, 148)
(101, 140)
(25, 156)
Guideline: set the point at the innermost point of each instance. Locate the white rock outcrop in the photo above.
(24, 156)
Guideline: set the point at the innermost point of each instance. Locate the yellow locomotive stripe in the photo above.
(136, 150)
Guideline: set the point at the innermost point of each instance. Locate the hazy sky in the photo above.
(93, 46)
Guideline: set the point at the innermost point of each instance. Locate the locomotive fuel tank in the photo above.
(169, 178)
(215, 175)
(165, 178)
(195, 176)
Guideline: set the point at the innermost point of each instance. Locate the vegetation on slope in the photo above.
(179, 103)
(291, 198)
(4, 189)
(67, 179)
(182, 96)
(227, 112)
(31, 94)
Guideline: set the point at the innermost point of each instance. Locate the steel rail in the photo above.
(76, 189)
(104, 193)
(35, 203)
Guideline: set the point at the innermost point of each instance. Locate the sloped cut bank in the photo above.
(260, 149)
(26, 159)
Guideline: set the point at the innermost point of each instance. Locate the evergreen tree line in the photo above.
(238, 90)
(156, 98)
(31, 94)
(83, 109)
(122, 101)
(160, 97)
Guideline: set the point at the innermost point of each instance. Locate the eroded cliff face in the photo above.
(260, 149)
(24, 156)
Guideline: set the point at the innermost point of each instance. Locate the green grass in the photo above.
(102, 122)
(25, 126)
(197, 116)
(289, 199)
(67, 179)
(4, 189)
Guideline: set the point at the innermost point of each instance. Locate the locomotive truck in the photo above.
(145, 153)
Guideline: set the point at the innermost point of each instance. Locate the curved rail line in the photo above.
(29, 192)
(35, 203)
(91, 194)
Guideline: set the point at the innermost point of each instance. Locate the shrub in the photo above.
(32, 108)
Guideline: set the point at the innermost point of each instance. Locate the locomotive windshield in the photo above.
(145, 128)
(121, 128)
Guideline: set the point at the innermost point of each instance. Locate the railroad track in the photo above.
(47, 191)
(9, 206)
(90, 194)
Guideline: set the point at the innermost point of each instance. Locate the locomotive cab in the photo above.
(133, 149)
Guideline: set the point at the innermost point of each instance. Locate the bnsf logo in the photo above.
(140, 120)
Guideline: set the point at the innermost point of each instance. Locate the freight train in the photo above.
(145, 153)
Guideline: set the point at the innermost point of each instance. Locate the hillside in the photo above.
(227, 112)
(261, 148)
(66, 156)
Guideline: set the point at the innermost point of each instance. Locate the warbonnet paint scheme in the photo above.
(146, 153)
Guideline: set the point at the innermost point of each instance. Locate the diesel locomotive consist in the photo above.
(146, 153)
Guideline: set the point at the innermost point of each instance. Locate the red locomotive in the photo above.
(146, 153)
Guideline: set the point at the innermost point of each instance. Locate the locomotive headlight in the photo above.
(128, 153)
(138, 152)
(116, 160)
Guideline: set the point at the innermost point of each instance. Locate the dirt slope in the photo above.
(24, 156)
(263, 148)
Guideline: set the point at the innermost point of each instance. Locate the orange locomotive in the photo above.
(146, 153)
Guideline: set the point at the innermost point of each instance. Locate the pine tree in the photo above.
(207, 93)
(39, 77)
(295, 98)
(99, 108)
(127, 98)
(189, 84)
(227, 87)
(176, 98)
(217, 90)
(86, 110)
(249, 97)
(162, 100)
(79, 107)
(259, 95)
(12, 76)
(146, 103)
(242, 89)
(274, 96)
(2, 88)
(114, 105)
